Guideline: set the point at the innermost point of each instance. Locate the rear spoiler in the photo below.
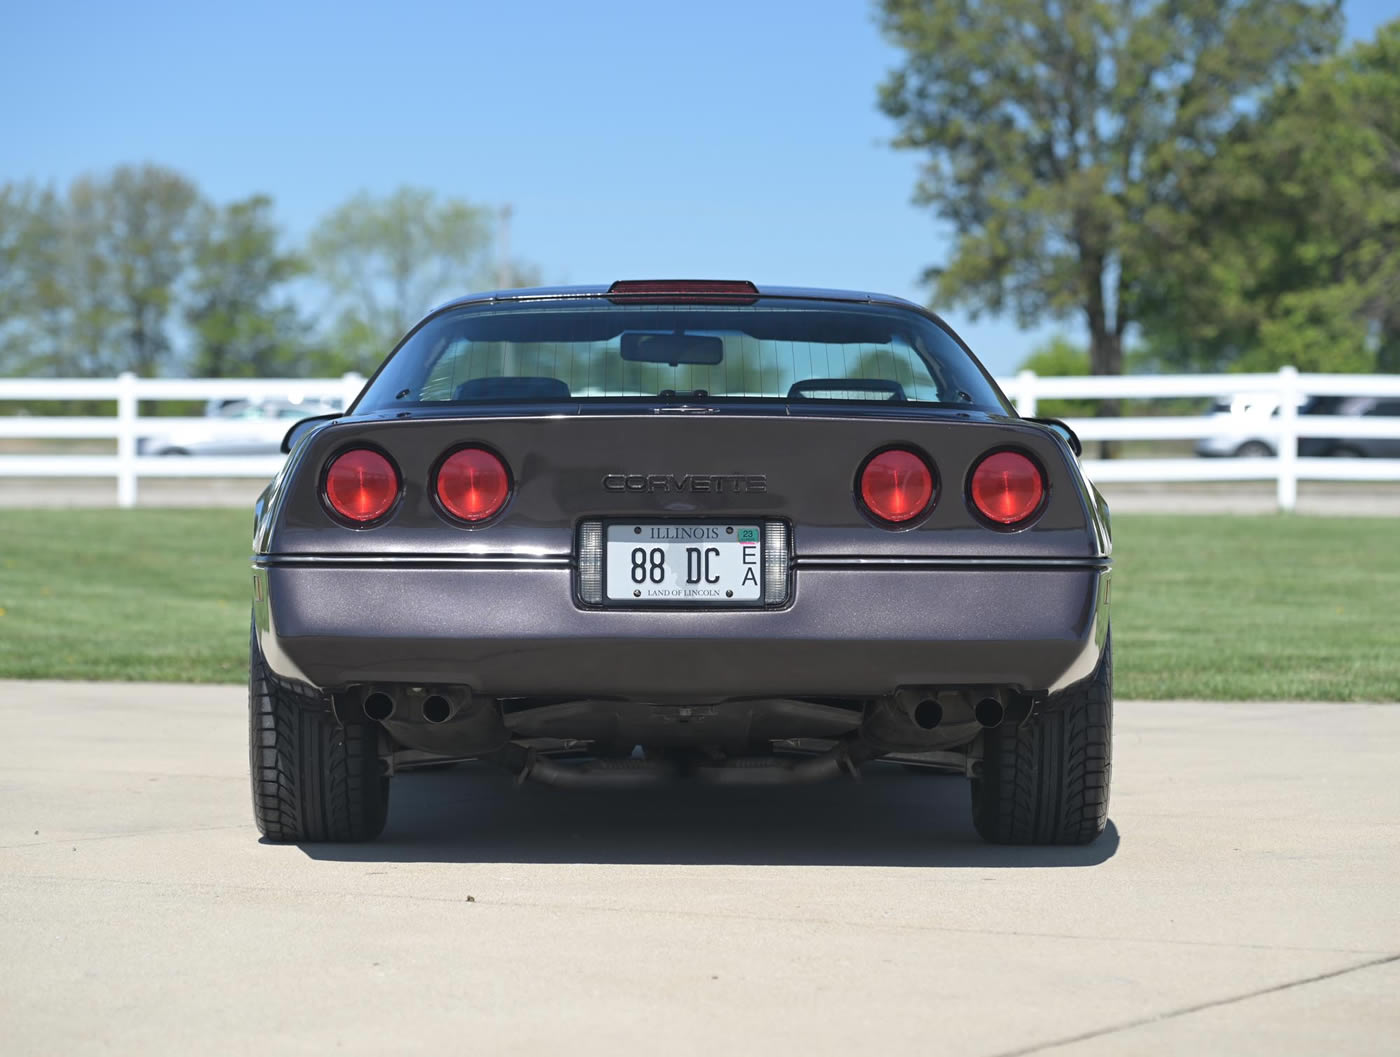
(303, 426)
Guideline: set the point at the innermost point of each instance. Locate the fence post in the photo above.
(126, 439)
(1287, 438)
(353, 382)
(1025, 394)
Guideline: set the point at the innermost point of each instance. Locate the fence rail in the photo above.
(1283, 390)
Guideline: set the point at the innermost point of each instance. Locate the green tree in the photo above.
(141, 219)
(14, 216)
(16, 274)
(61, 316)
(1064, 140)
(242, 322)
(1294, 257)
(97, 271)
(388, 260)
(134, 270)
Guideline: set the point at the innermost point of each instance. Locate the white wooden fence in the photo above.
(1283, 389)
(126, 426)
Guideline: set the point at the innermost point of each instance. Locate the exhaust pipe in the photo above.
(437, 709)
(989, 712)
(928, 713)
(379, 706)
(408, 704)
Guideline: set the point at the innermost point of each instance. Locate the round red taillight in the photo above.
(896, 486)
(472, 484)
(1007, 487)
(361, 485)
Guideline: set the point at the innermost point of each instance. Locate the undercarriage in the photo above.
(620, 742)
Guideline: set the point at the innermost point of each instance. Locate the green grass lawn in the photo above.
(1203, 607)
(1301, 608)
(125, 594)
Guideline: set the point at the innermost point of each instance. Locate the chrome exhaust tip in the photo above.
(437, 709)
(379, 706)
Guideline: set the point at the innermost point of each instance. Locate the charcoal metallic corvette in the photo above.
(677, 529)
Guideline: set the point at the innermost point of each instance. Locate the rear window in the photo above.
(543, 352)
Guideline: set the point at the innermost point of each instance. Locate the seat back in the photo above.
(511, 388)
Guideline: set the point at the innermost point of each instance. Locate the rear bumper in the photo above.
(850, 630)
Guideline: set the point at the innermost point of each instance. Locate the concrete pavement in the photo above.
(1243, 901)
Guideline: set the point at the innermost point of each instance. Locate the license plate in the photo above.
(684, 562)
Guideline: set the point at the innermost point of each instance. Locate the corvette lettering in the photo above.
(690, 482)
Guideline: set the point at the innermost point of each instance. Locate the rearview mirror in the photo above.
(302, 426)
(673, 349)
(1071, 437)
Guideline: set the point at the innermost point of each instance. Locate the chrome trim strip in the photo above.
(549, 561)
(564, 561)
(943, 563)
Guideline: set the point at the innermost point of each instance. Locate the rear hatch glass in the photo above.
(592, 349)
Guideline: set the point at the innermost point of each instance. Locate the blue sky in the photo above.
(724, 139)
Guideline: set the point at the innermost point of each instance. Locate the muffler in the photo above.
(627, 773)
(527, 765)
(845, 758)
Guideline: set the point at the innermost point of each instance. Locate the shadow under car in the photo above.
(891, 817)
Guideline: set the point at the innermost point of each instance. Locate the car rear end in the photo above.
(539, 597)
(715, 523)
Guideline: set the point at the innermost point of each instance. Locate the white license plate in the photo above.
(691, 563)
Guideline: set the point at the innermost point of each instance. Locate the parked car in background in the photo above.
(225, 406)
(1353, 447)
(1246, 418)
(244, 427)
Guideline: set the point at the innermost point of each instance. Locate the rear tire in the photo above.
(1047, 782)
(313, 778)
